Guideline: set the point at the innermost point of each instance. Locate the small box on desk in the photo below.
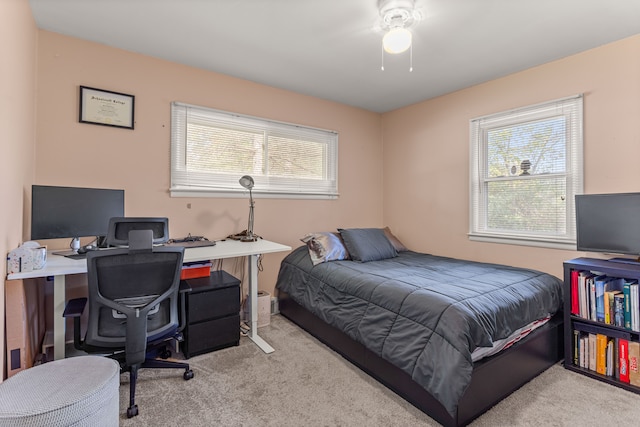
(194, 270)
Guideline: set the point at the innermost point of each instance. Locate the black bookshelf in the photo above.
(611, 268)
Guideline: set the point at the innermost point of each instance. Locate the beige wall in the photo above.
(426, 149)
(18, 38)
(77, 154)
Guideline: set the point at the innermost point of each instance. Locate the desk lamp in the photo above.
(247, 182)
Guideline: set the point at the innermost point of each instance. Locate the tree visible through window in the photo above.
(526, 169)
(212, 149)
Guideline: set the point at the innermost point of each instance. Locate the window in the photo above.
(526, 168)
(211, 150)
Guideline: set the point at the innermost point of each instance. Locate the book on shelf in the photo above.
(585, 282)
(592, 352)
(610, 363)
(618, 309)
(584, 342)
(615, 357)
(575, 298)
(578, 349)
(626, 291)
(600, 282)
(634, 355)
(591, 287)
(601, 354)
(633, 306)
(623, 360)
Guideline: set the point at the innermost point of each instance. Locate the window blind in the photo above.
(212, 149)
(526, 168)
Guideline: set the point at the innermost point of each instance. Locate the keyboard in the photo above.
(192, 244)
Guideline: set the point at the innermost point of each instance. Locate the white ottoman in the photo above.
(78, 391)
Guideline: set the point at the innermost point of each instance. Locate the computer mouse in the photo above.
(87, 248)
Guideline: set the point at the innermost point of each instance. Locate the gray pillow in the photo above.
(400, 247)
(325, 246)
(367, 244)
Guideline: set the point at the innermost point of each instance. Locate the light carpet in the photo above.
(304, 383)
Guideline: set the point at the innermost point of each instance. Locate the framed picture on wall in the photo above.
(107, 108)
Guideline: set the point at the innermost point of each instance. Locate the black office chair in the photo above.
(134, 301)
(119, 228)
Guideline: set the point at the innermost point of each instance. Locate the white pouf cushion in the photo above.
(78, 391)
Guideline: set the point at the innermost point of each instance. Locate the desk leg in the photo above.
(253, 302)
(58, 320)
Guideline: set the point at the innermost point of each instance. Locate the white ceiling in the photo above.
(331, 49)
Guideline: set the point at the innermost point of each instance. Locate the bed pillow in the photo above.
(325, 246)
(367, 244)
(394, 240)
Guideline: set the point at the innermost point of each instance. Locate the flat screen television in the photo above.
(608, 223)
(73, 212)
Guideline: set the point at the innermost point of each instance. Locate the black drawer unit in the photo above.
(212, 313)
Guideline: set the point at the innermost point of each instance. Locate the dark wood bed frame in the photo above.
(493, 379)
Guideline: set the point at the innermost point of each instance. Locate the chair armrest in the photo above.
(74, 307)
(182, 309)
(184, 289)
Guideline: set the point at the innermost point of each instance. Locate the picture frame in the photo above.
(106, 108)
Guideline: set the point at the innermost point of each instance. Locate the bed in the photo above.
(430, 328)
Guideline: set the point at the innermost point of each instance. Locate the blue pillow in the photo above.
(325, 247)
(367, 244)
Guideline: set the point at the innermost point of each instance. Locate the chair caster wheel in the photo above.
(165, 354)
(132, 411)
(188, 375)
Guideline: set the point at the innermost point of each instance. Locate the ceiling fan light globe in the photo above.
(397, 40)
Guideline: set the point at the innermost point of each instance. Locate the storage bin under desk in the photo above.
(212, 313)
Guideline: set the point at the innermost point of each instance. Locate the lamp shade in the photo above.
(397, 40)
(247, 182)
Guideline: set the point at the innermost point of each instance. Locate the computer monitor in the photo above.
(73, 212)
(119, 227)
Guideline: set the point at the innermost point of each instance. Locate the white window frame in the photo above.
(572, 109)
(185, 183)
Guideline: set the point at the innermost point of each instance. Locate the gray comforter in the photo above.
(423, 313)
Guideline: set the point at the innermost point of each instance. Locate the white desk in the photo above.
(59, 266)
